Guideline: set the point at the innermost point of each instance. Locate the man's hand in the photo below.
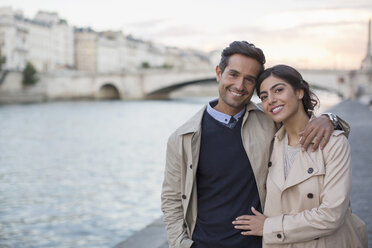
(252, 223)
(318, 129)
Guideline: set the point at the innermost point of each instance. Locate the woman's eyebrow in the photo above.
(272, 87)
(262, 92)
(275, 85)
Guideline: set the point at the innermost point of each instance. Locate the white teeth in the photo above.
(235, 94)
(277, 109)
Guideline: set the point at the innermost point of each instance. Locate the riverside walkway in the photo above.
(359, 117)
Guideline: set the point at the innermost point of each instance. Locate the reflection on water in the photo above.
(83, 174)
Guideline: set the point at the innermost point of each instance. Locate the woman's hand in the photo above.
(253, 224)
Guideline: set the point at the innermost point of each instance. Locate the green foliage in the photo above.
(145, 65)
(29, 75)
(166, 66)
(2, 60)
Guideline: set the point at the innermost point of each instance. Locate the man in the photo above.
(217, 162)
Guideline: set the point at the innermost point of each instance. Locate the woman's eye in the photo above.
(263, 98)
(278, 89)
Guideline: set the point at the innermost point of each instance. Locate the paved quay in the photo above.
(359, 117)
(152, 236)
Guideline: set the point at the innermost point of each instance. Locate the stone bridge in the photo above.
(76, 85)
(141, 85)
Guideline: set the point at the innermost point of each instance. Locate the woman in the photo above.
(308, 193)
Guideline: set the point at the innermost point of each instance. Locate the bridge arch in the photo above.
(165, 91)
(108, 91)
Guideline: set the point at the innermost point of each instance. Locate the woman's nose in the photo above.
(271, 98)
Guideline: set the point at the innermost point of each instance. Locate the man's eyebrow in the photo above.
(234, 71)
(251, 77)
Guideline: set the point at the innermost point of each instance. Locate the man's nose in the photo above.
(240, 84)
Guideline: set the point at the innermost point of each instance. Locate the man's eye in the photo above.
(234, 75)
(251, 81)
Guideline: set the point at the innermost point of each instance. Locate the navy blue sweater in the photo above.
(226, 187)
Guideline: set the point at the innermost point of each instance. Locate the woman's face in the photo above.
(279, 100)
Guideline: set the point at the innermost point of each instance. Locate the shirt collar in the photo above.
(222, 117)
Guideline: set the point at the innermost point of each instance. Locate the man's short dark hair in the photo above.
(243, 48)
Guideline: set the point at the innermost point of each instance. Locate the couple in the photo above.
(221, 163)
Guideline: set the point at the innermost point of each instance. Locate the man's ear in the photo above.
(218, 73)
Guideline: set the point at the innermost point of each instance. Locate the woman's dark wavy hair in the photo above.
(294, 78)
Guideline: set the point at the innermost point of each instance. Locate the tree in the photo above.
(29, 75)
(145, 65)
(2, 60)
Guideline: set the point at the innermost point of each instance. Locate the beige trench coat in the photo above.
(311, 207)
(179, 196)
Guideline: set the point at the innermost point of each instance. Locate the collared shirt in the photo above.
(225, 119)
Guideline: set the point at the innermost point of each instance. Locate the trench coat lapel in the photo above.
(189, 173)
(304, 167)
(195, 145)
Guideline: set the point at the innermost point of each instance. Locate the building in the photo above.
(46, 41)
(50, 44)
(85, 43)
(113, 52)
(99, 52)
(12, 40)
(367, 61)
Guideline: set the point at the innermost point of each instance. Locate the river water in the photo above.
(84, 174)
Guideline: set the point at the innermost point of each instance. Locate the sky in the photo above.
(307, 34)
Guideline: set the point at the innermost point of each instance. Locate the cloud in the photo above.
(148, 23)
(331, 24)
(177, 31)
(316, 5)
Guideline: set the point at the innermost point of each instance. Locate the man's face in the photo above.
(236, 83)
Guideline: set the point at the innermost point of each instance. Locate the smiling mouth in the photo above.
(234, 93)
(277, 109)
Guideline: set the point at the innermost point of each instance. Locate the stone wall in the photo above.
(12, 90)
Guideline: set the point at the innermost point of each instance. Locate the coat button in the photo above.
(183, 197)
(270, 164)
(279, 236)
(310, 195)
(190, 166)
(310, 170)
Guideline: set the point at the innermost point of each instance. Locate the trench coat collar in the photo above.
(194, 124)
(279, 135)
